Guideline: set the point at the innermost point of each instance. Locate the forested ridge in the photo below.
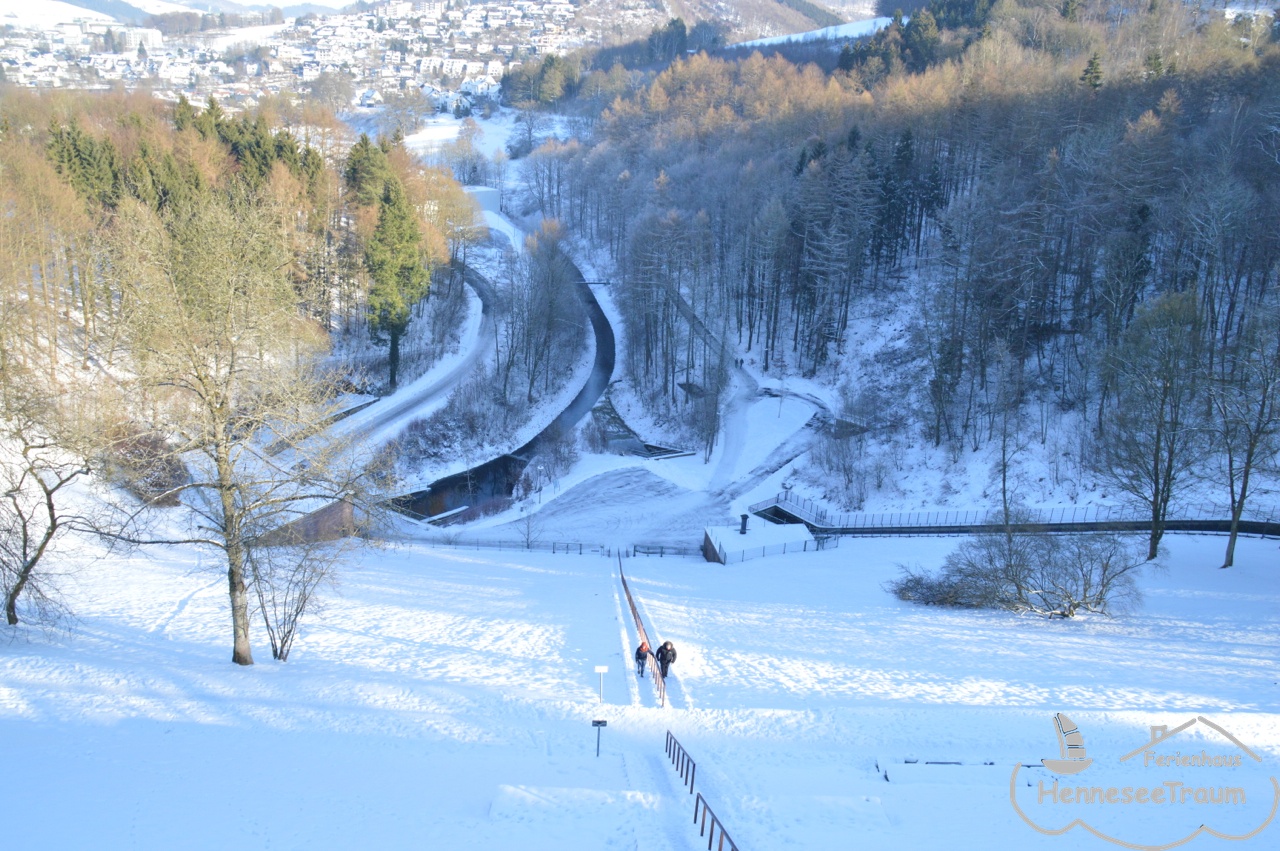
(1077, 201)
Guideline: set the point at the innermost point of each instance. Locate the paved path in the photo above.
(406, 404)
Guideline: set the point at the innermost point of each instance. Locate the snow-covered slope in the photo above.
(46, 14)
(853, 29)
(445, 697)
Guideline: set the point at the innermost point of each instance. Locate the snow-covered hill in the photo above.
(46, 14)
(445, 700)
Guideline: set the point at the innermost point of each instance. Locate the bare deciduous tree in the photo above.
(1246, 405)
(1147, 446)
(530, 528)
(224, 358)
(36, 473)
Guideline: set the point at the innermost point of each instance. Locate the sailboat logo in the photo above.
(1070, 747)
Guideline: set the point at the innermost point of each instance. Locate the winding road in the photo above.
(412, 398)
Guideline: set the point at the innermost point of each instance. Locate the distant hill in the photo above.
(741, 19)
(125, 13)
(138, 11)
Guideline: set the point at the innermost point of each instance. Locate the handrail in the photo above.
(700, 803)
(1063, 518)
(659, 681)
(685, 766)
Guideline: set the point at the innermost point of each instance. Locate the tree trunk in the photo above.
(1157, 531)
(232, 531)
(32, 556)
(393, 358)
(1237, 509)
(240, 654)
(11, 599)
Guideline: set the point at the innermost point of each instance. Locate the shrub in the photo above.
(1049, 575)
(147, 467)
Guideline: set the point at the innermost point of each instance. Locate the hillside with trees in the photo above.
(185, 296)
(990, 227)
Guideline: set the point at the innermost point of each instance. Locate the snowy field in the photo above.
(444, 699)
(851, 30)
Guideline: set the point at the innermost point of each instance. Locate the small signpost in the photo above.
(598, 725)
(602, 670)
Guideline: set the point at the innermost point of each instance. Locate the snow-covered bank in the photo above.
(853, 29)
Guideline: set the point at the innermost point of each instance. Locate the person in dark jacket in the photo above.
(666, 655)
(642, 656)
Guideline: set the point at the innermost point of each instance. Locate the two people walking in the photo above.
(665, 656)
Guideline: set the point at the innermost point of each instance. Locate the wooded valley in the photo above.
(1074, 206)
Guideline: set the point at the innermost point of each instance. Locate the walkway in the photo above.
(789, 508)
(409, 402)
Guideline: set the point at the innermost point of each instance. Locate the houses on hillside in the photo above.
(391, 47)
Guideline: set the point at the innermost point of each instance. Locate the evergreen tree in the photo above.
(366, 171)
(922, 38)
(1092, 76)
(184, 114)
(92, 167)
(399, 276)
(209, 123)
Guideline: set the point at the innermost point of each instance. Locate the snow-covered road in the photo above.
(383, 420)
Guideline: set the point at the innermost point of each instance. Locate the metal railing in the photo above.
(659, 682)
(734, 556)
(570, 547)
(816, 515)
(575, 547)
(700, 804)
(684, 764)
(663, 550)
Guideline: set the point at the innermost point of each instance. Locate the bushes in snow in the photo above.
(1050, 575)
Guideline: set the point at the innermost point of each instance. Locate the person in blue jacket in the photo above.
(642, 656)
